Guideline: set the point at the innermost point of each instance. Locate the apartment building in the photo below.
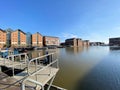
(79, 42)
(86, 43)
(114, 41)
(50, 40)
(18, 38)
(8, 32)
(37, 40)
(75, 42)
(97, 43)
(3, 38)
(29, 39)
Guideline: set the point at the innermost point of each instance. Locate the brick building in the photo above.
(3, 38)
(79, 42)
(114, 41)
(37, 39)
(50, 40)
(97, 43)
(86, 43)
(18, 38)
(75, 42)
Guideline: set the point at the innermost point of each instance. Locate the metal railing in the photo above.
(16, 61)
(39, 64)
(34, 66)
(42, 62)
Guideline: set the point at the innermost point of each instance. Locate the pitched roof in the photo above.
(19, 30)
(2, 30)
(51, 36)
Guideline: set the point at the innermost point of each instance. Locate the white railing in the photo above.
(40, 66)
(42, 62)
(14, 61)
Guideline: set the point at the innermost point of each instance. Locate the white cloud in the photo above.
(69, 35)
(64, 36)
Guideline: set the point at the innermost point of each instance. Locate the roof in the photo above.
(2, 30)
(19, 30)
(51, 36)
(86, 40)
(115, 38)
(9, 30)
(37, 33)
(73, 38)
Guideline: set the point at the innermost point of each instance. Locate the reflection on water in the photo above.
(114, 48)
(73, 50)
(37, 53)
(34, 54)
(90, 68)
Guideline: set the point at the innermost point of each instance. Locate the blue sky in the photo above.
(95, 20)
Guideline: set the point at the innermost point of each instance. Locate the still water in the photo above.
(90, 68)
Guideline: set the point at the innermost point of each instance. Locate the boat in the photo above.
(5, 53)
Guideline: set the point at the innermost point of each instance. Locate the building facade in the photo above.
(50, 40)
(3, 38)
(86, 43)
(75, 42)
(8, 32)
(37, 40)
(114, 41)
(28, 39)
(70, 42)
(97, 43)
(18, 38)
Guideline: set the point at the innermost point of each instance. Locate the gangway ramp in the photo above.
(37, 71)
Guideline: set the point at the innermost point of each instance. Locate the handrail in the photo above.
(18, 54)
(41, 57)
(43, 68)
(36, 64)
(12, 61)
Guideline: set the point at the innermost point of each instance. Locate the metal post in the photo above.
(50, 60)
(9, 61)
(35, 64)
(57, 64)
(37, 86)
(22, 86)
(4, 61)
(25, 57)
(20, 57)
(51, 82)
(26, 61)
(13, 65)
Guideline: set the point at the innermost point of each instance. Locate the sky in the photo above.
(94, 20)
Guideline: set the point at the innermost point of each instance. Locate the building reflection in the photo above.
(38, 53)
(34, 54)
(74, 50)
(112, 48)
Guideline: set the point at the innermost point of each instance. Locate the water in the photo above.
(90, 68)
